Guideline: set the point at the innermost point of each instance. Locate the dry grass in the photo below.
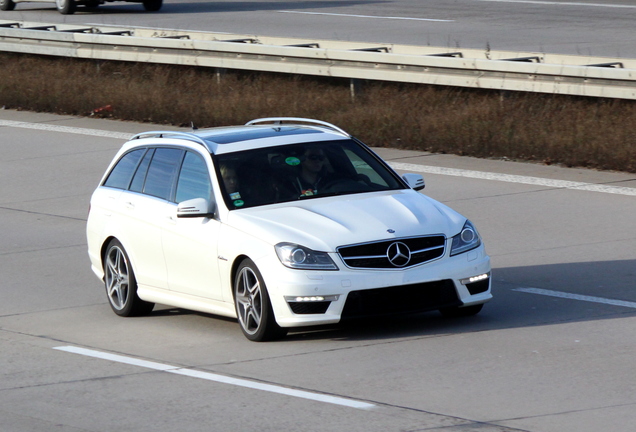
(594, 133)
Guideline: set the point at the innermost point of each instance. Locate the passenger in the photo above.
(231, 183)
(230, 179)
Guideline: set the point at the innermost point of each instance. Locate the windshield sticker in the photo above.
(239, 203)
(235, 196)
(293, 161)
(308, 192)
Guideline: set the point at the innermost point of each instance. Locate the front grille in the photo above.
(401, 299)
(396, 253)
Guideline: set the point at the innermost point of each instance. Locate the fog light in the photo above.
(474, 279)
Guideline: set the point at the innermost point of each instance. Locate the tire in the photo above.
(457, 312)
(121, 284)
(253, 308)
(7, 5)
(152, 5)
(66, 7)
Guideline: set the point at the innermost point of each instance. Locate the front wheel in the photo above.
(66, 7)
(121, 284)
(7, 5)
(253, 308)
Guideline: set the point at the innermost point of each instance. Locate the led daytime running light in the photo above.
(474, 279)
(310, 299)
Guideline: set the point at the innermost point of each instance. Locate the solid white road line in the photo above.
(571, 296)
(65, 129)
(366, 16)
(351, 403)
(509, 178)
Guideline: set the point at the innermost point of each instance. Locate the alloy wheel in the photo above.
(116, 278)
(249, 302)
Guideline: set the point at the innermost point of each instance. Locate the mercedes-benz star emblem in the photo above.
(398, 254)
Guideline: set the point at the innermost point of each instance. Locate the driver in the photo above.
(312, 172)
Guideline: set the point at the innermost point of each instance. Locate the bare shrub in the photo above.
(594, 133)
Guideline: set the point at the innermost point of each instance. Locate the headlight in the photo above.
(299, 257)
(466, 240)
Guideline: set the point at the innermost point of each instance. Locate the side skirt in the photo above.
(199, 304)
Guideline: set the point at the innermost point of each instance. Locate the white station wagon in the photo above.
(281, 223)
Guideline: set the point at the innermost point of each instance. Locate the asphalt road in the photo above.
(582, 27)
(553, 352)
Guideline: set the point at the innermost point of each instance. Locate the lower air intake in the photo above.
(401, 299)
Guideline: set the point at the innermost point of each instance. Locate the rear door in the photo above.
(146, 206)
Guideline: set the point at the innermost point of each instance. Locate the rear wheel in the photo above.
(456, 312)
(66, 7)
(121, 284)
(7, 5)
(253, 308)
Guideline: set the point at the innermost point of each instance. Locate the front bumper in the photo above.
(304, 298)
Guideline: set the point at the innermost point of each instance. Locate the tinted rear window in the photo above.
(162, 172)
(123, 171)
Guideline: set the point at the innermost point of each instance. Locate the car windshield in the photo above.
(301, 171)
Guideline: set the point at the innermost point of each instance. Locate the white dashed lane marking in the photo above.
(553, 3)
(366, 16)
(580, 297)
(192, 373)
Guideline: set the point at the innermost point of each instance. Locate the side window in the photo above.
(122, 172)
(194, 179)
(163, 172)
(364, 169)
(140, 175)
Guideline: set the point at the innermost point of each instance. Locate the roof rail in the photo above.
(280, 120)
(174, 134)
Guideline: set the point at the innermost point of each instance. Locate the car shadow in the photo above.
(510, 307)
(580, 291)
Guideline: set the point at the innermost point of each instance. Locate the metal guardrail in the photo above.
(501, 70)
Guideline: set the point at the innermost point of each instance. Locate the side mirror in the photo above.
(196, 207)
(415, 181)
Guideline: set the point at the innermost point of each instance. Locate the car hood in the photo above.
(325, 223)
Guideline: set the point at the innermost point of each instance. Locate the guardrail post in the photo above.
(220, 72)
(355, 87)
